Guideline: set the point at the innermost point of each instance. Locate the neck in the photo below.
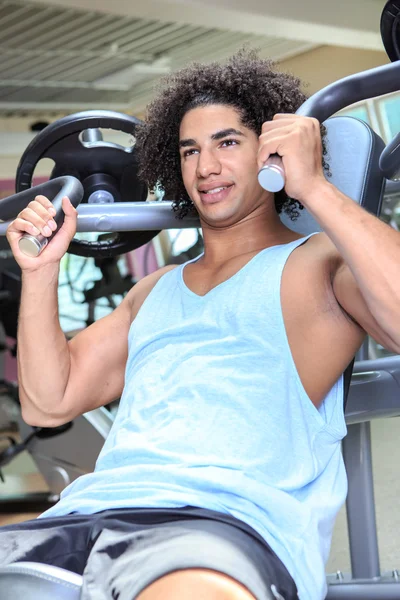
(259, 230)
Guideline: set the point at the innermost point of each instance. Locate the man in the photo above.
(222, 474)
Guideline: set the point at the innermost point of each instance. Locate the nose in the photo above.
(207, 164)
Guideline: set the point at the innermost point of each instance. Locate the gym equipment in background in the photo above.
(106, 170)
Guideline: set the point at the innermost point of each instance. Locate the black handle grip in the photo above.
(389, 161)
(54, 190)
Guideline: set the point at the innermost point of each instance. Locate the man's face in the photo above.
(219, 164)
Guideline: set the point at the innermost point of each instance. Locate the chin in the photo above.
(220, 216)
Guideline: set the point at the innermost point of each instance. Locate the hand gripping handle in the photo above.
(55, 190)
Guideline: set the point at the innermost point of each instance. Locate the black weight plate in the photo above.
(390, 29)
(60, 140)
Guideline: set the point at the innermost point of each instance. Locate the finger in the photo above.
(45, 212)
(67, 206)
(20, 226)
(39, 217)
(273, 129)
(69, 225)
(45, 202)
(274, 126)
(280, 116)
(275, 145)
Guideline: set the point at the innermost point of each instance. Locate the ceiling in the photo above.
(59, 56)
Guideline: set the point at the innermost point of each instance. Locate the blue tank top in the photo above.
(214, 414)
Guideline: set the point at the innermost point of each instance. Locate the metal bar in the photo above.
(353, 88)
(373, 394)
(127, 216)
(363, 352)
(368, 590)
(361, 520)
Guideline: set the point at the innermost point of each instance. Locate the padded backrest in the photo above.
(353, 157)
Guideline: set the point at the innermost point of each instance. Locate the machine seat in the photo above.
(31, 580)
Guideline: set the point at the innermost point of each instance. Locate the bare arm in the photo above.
(367, 284)
(366, 281)
(60, 380)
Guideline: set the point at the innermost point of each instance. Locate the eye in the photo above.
(230, 142)
(188, 152)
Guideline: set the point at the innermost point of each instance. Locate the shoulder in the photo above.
(138, 294)
(311, 272)
(323, 253)
(149, 281)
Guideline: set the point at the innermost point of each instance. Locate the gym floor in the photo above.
(21, 476)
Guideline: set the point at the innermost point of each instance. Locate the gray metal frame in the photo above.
(127, 216)
(371, 379)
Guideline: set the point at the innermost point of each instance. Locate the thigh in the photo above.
(59, 541)
(122, 563)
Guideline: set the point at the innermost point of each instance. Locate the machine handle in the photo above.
(389, 160)
(272, 175)
(336, 96)
(55, 190)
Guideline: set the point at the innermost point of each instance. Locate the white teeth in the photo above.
(216, 190)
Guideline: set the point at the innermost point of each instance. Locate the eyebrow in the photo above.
(219, 135)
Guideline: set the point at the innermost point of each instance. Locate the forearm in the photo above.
(370, 248)
(43, 354)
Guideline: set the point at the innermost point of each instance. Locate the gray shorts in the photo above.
(121, 552)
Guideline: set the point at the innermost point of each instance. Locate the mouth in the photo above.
(216, 194)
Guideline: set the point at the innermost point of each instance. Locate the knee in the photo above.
(196, 584)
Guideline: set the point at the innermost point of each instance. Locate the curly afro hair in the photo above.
(246, 82)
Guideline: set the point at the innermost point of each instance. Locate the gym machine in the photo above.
(360, 165)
